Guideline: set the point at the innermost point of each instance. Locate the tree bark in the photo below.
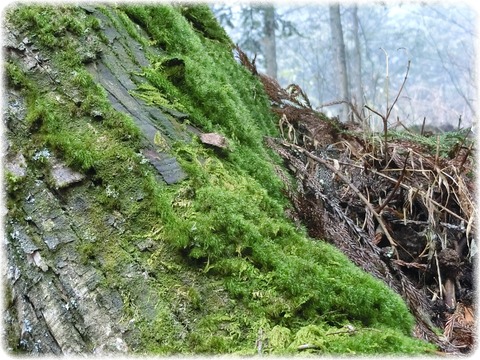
(340, 58)
(269, 41)
(358, 98)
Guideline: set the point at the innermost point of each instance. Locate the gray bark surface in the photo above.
(357, 64)
(270, 41)
(56, 303)
(340, 59)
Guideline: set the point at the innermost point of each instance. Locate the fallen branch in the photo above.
(308, 347)
(409, 265)
(467, 153)
(397, 185)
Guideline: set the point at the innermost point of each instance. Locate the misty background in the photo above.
(361, 54)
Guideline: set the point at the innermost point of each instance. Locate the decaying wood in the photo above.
(396, 210)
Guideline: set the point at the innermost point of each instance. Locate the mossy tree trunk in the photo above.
(125, 233)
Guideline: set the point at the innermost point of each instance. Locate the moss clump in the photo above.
(15, 76)
(448, 143)
(202, 19)
(13, 183)
(218, 94)
(348, 340)
(230, 225)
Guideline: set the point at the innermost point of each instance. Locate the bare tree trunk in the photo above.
(340, 58)
(270, 46)
(358, 98)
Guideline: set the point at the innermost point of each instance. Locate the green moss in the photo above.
(218, 94)
(77, 140)
(13, 183)
(87, 251)
(70, 31)
(15, 76)
(131, 27)
(202, 19)
(351, 341)
(152, 96)
(229, 222)
(448, 143)
(279, 338)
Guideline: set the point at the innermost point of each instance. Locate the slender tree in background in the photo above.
(356, 73)
(257, 29)
(269, 42)
(447, 60)
(340, 58)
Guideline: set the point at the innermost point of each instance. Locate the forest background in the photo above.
(216, 220)
(361, 52)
